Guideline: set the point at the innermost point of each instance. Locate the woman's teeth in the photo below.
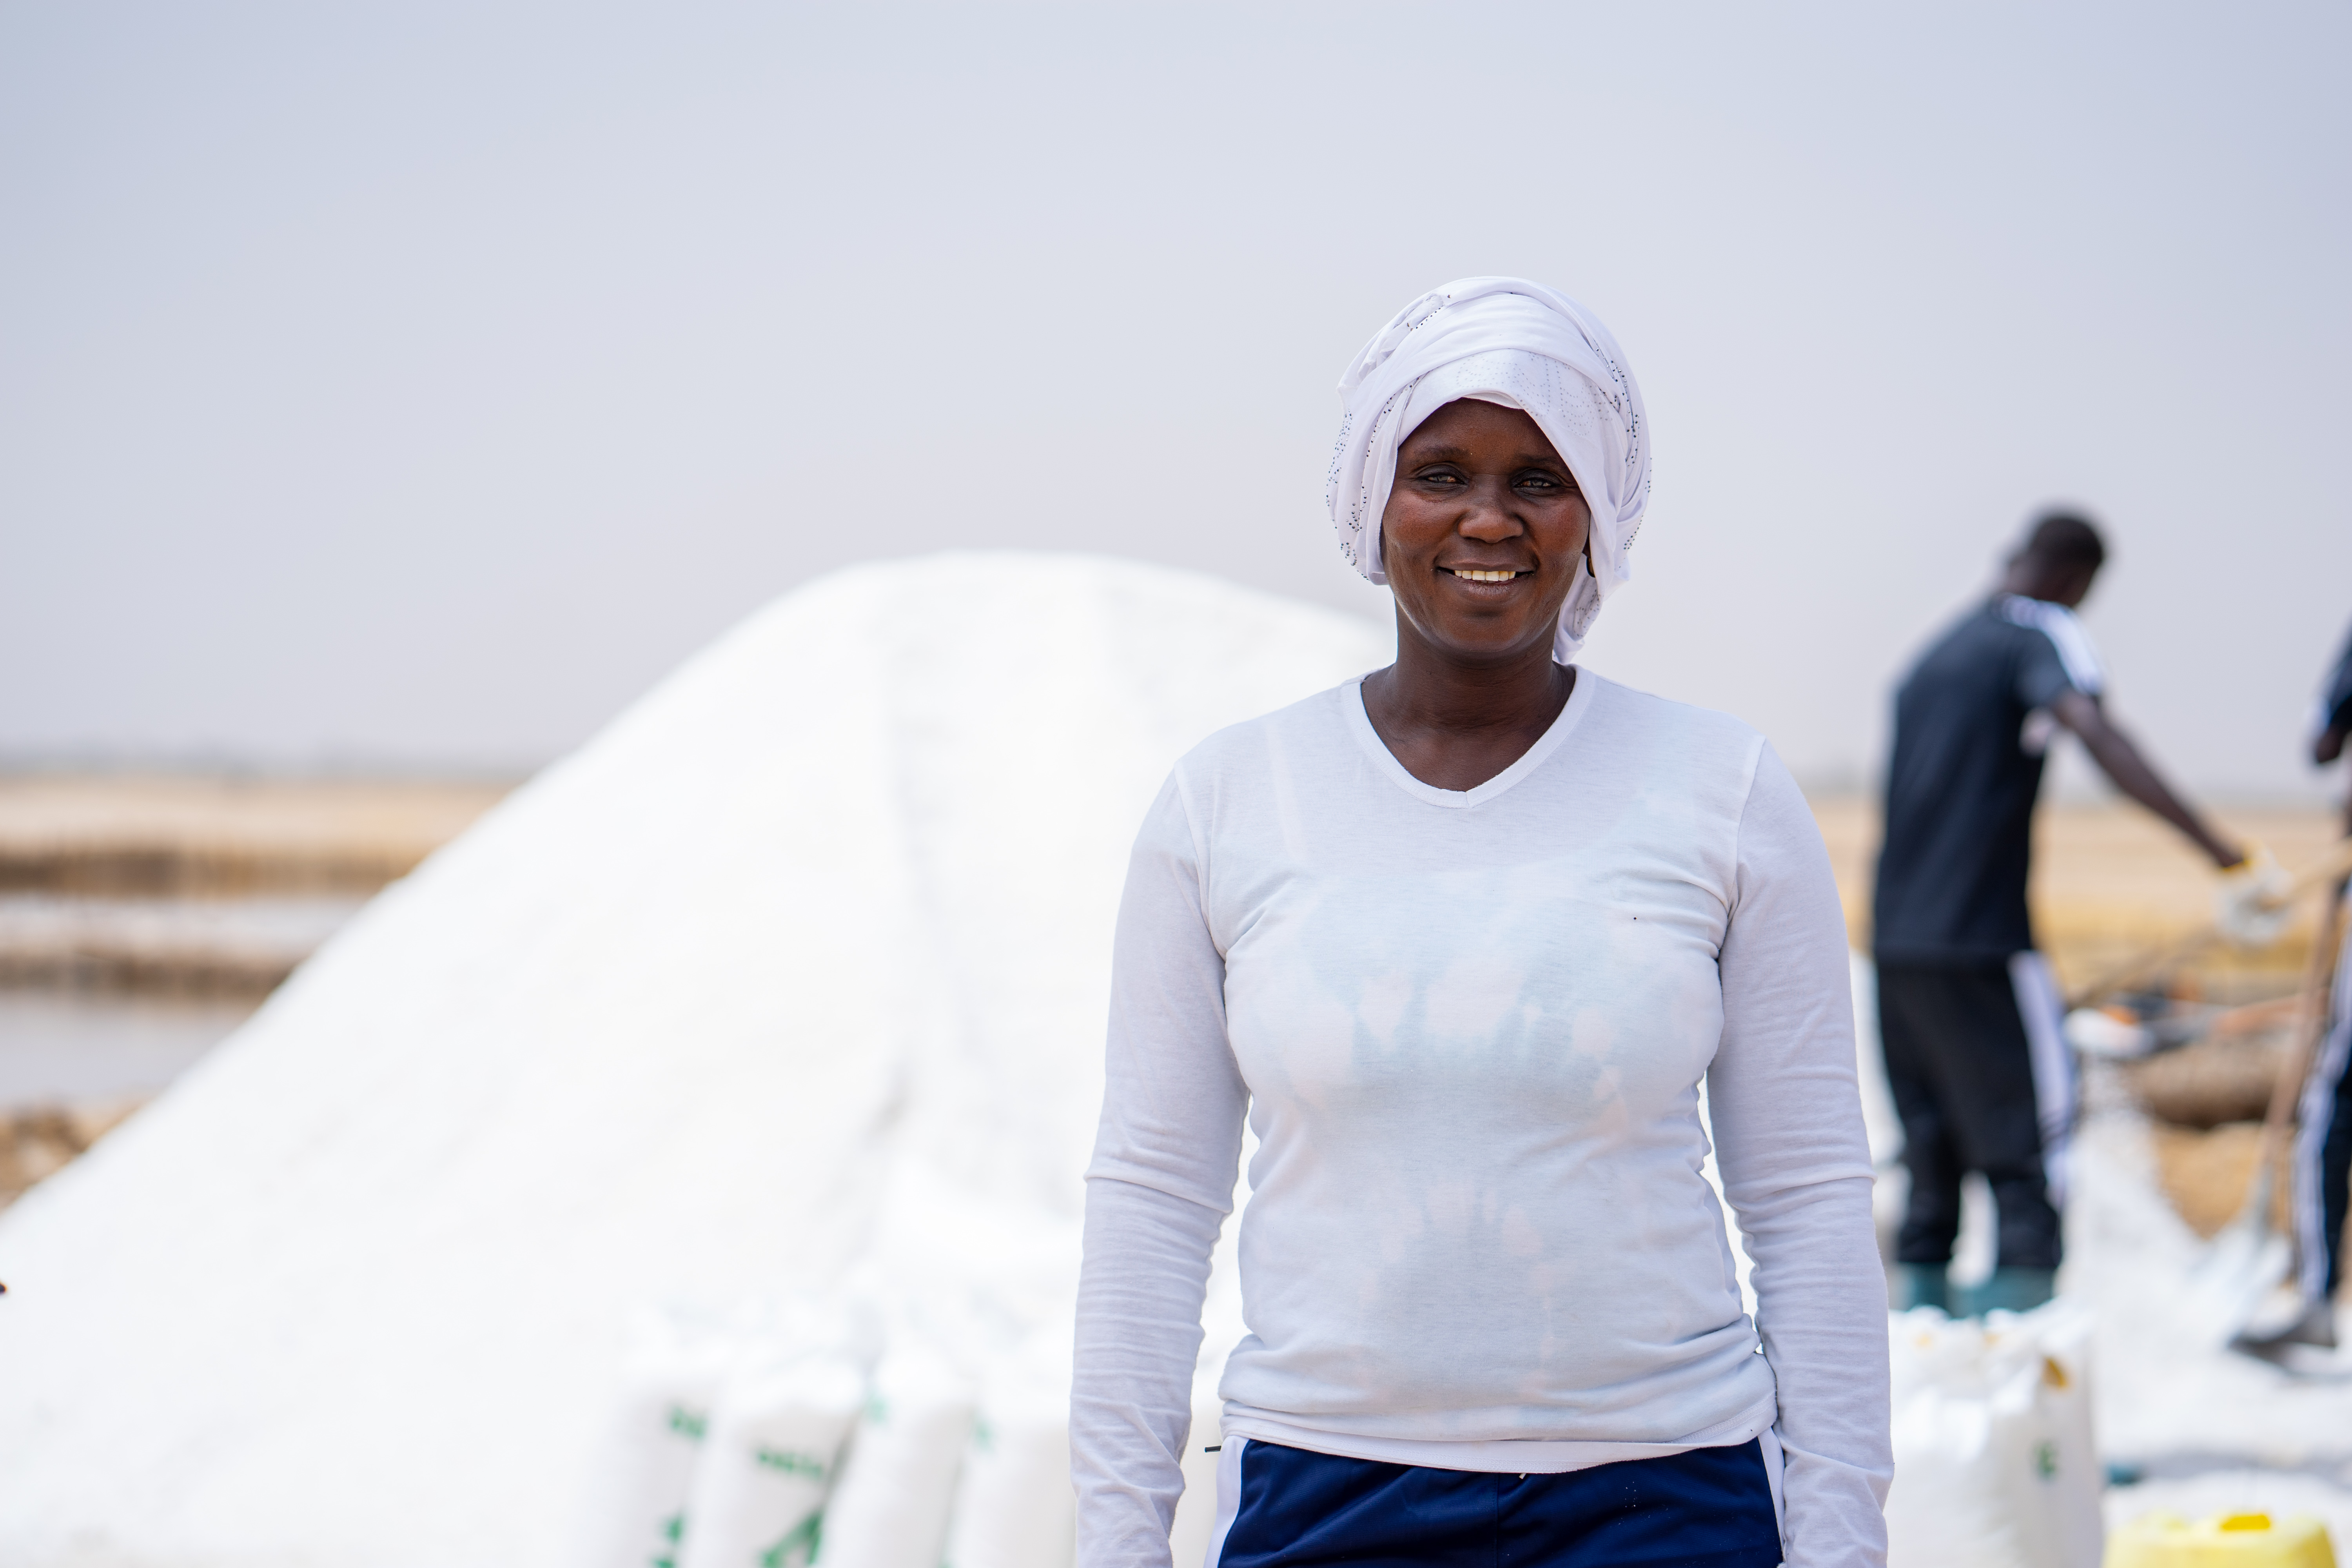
(1467, 575)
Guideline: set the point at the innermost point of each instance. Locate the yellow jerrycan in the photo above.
(2225, 1540)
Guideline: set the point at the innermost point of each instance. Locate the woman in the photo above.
(1462, 940)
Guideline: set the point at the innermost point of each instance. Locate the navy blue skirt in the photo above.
(1708, 1508)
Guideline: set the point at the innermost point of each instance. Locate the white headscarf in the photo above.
(1519, 344)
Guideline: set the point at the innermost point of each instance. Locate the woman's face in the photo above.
(1483, 531)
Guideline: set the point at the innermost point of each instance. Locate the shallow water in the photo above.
(181, 940)
(107, 999)
(77, 1046)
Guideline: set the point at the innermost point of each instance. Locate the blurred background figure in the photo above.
(2323, 1138)
(2333, 719)
(1968, 1016)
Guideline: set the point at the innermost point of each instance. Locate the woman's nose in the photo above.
(1489, 515)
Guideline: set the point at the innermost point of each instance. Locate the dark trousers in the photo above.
(2323, 1148)
(1708, 1507)
(2335, 1180)
(1961, 1073)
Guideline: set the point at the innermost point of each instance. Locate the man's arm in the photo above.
(2336, 711)
(2120, 759)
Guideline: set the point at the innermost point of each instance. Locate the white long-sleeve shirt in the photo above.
(1469, 1030)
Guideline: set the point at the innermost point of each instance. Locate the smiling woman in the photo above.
(1463, 941)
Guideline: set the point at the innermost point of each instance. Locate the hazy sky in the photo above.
(418, 382)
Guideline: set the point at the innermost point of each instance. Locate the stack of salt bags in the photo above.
(798, 968)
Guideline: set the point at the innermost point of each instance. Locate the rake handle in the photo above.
(2310, 1019)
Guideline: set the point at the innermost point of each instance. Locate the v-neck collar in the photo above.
(1360, 723)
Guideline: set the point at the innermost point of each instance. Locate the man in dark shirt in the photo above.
(1968, 1015)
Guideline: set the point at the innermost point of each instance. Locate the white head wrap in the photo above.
(1522, 345)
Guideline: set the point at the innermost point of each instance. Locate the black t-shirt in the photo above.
(1960, 788)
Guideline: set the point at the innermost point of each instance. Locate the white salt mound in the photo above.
(800, 966)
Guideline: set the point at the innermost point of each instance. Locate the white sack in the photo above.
(635, 1507)
(890, 1507)
(1016, 1507)
(767, 1463)
(1995, 1465)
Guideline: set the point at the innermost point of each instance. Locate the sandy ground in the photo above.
(155, 835)
(38, 1141)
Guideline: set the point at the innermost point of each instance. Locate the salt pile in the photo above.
(799, 967)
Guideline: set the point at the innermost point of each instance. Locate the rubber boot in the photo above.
(1922, 1285)
(2013, 1291)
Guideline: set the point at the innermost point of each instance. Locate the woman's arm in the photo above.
(1788, 1131)
(1161, 1184)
